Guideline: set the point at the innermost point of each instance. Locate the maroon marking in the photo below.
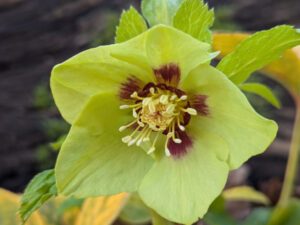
(198, 102)
(131, 85)
(175, 90)
(168, 74)
(146, 90)
(179, 150)
(186, 119)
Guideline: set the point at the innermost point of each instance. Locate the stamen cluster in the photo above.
(160, 112)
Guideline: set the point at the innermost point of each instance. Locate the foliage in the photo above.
(245, 193)
(42, 98)
(9, 203)
(94, 158)
(101, 211)
(135, 212)
(193, 17)
(41, 188)
(263, 91)
(160, 11)
(131, 24)
(257, 51)
(62, 211)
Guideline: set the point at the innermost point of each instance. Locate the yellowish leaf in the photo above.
(245, 193)
(101, 210)
(226, 42)
(285, 70)
(70, 216)
(53, 214)
(9, 204)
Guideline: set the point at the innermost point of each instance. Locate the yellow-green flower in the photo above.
(151, 115)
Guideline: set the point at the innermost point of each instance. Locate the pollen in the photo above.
(157, 114)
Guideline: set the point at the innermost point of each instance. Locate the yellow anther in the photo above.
(126, 139)
(152, 90)
(173, 97)
(124, 107)
(190, 111)
(151, 150)
(167, 152)
(159, 112)
(183, 97)
(164, 99)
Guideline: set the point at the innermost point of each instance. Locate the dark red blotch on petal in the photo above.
(168, 74)
(198, 102)
(131, 85)
(179, 150)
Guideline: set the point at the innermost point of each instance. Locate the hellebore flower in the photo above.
(151, 115)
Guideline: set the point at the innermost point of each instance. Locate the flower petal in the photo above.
(231, 117)
(105, 67)
(182, 189)
(91, 72)
(166, 45)
(93, 160)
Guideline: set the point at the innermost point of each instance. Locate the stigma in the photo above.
(157, 112)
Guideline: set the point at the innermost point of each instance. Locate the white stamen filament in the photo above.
(122, 128)
(183, 98)
(160, 111)
(164, 99)
(152, 148)
(191, 111)
(182, 128)
(136, 96)
(131, 106)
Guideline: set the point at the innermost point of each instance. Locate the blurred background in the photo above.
(37, 34)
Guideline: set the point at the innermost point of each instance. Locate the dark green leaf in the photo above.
(41, 188)
(263, 91)
(259, 216)
(289, 215)
(217, 214)
(135, 212)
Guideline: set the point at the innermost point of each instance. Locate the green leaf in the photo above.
(131, 24)
(195, 18)
(56, 145)
(245, 193)
(69, 204)
(263, 91)
(135, 212)
(257, 51)
(259, 216)
(217, 214)
(160, 11)
(41, 188)
(288, 215)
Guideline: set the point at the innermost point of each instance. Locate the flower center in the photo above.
(159, 111)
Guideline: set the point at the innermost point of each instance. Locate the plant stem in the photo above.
(158, 220)
(292, 164)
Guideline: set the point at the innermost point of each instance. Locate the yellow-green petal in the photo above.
(93, 160)
(231, 117)
(166, 45)
(95, 70)
(182, 189)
